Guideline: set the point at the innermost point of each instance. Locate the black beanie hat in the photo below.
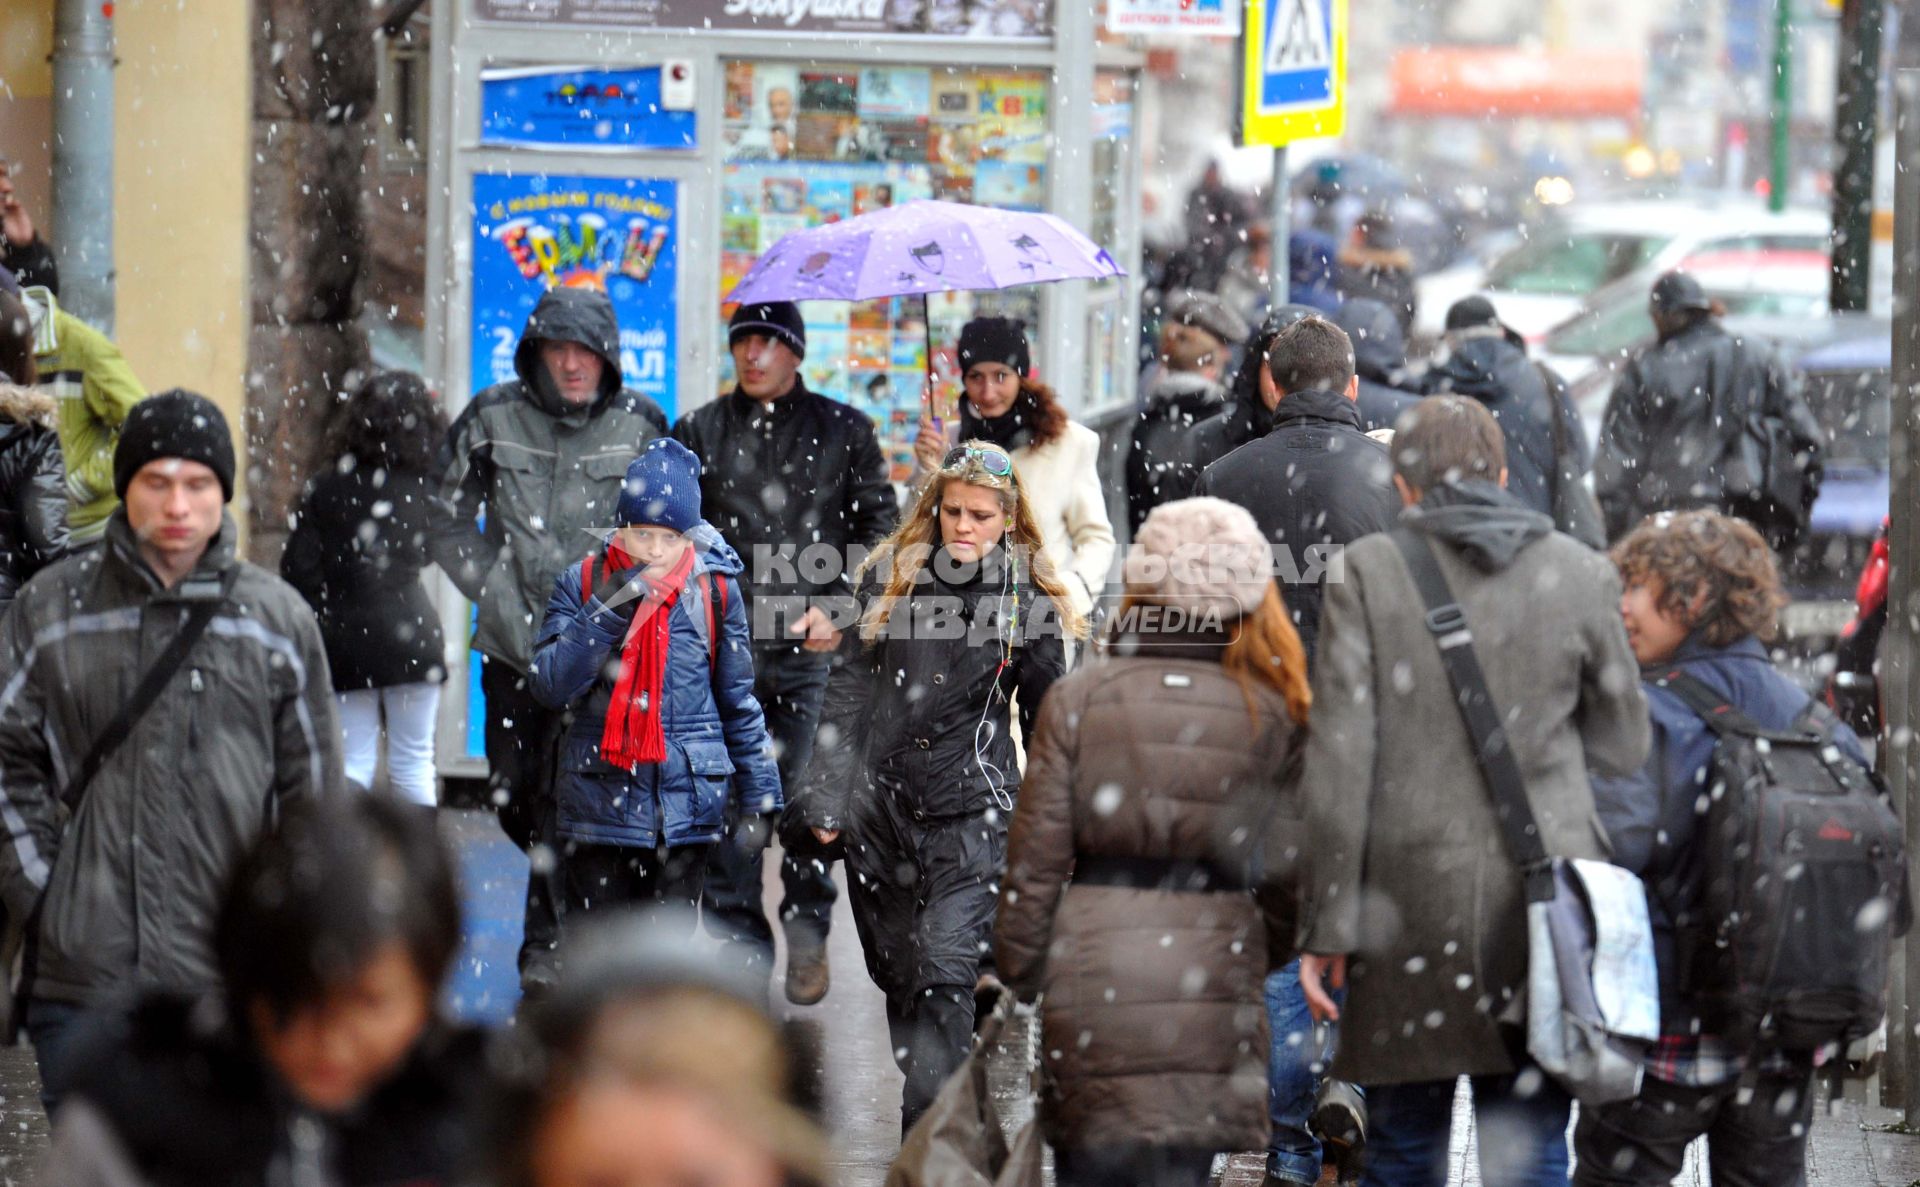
(995, 340)
(774, 319)
(174, 424)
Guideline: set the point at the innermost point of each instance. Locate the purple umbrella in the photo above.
(923, 247)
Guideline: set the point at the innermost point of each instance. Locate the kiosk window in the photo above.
(813, 144)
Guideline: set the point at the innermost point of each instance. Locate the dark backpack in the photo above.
(1800, 882)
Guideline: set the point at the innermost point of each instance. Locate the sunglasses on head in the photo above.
(993, 459)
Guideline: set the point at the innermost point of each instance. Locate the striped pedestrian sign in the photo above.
(1294, 85)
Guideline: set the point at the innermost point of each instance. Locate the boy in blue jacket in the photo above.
(646, 641)
(1701, 595)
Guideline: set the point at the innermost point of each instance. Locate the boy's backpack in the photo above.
(712, 593)
(1799, 878)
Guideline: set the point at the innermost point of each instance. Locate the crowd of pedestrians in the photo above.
(1240, 823)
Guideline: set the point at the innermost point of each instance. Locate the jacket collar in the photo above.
(1327, 407)
(779, 410)
(123, 554)
(1695, 649)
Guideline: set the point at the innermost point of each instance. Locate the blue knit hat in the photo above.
(662, 487)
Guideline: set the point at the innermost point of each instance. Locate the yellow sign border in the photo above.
(1301, 123)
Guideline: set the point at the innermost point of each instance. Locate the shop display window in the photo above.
(813, 144)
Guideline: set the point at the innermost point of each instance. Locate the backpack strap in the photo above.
(586, 577)
(1447, 622)
(1723, 719)
(707, 584)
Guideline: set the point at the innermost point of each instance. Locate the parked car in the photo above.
(1543, 281)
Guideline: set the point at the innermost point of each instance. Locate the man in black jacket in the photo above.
(1316, 483)
(1677, 414)
(1380, 360)
(545, 454)
(1194, 344)
(1488, 361)
(797, 484)
(21, 249)
(1248, 415)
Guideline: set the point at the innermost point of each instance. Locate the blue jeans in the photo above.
(1297, 1058)
(1522, 1138)
(51, 1029)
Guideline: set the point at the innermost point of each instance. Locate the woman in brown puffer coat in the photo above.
(1158, 816)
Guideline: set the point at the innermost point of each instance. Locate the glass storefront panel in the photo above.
(813, 144)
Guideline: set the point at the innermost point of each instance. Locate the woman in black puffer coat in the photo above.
(33, 488)
(358, 547)
(960, 612)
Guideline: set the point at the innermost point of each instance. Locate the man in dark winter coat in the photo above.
(544, 454)
(1194, 342)
(1488, 361)
(1316, 483)
(1379, 359)
(1679, 407)
(787, 474)
(21, 249)
(1248, 415)
(125, 872)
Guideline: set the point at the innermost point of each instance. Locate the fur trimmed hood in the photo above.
(27, 406)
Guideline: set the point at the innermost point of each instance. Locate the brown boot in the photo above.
(807, 976)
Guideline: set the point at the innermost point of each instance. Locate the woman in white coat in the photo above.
(1057, 459)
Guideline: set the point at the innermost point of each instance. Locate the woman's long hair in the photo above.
(393, 423)
(901, 557)
(1266, 650)
(1048, 420)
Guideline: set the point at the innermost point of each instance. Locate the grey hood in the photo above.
(584, 316)
(1482, 521)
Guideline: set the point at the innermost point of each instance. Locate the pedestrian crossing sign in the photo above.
(1294, 85)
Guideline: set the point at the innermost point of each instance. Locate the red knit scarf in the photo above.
(633, 734)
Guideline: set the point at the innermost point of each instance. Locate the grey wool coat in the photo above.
(1409, 874)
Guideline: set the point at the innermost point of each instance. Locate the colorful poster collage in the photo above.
(535, 232)
(814, 144)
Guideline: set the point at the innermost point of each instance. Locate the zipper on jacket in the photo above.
(197, 684)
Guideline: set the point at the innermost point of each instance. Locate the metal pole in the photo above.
(83, 158)
(1782, 104)
(1902, 672)
(1280, 213)
(1856, 127)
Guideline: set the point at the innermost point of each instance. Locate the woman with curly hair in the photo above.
(960, 613)
(1701, 596)
(358, 546)
(1058, 459)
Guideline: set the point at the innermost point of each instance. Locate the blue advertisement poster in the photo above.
(534, 232)
(611, 109)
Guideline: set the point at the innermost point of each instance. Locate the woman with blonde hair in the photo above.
(1136, 882)
(960, 614)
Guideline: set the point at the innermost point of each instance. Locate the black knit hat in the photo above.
(774, 319)
(174, 424)
(995, 340)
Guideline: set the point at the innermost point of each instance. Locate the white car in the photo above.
(1543, 281)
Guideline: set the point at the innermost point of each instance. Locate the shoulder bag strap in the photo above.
(205, 605)
(1560, 452)
(1723, 719)
(1448, 624)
